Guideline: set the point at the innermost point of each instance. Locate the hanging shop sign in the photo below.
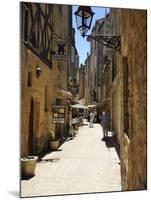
(58, 114)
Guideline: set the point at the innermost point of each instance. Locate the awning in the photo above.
(91, 106)
(81, 101)
(62, 93)
(80, 106)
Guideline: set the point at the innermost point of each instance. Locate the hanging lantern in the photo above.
(84, 16)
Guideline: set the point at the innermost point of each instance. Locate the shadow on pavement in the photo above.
(50, 160)
(111, 142)
(26, 177)
(69, 138)
(85, 124)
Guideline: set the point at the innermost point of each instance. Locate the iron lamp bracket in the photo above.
(113, 42)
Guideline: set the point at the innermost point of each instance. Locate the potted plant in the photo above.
(54, 140)
(28, 165)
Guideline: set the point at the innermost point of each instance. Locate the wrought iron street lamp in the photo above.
(84, 16)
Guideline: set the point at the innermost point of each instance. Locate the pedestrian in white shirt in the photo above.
(91, 120)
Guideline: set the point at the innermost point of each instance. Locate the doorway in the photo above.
(31, 128)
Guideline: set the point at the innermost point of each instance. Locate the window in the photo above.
(36, 30)
(29, 79)
(114, 67)
(46, 106)
(58, 101)
(125, 95)
(24, 21)
(33, 38)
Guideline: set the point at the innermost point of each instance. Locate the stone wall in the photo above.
(88, 83)
(136, 51)
(36, 92)
(82, 81)
(39, 91)
(43, 93)
(131, 90)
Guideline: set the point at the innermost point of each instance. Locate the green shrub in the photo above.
(53, 136)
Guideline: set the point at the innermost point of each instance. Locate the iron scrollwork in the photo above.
(113, 42)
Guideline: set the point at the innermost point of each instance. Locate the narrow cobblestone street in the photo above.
(84, 164)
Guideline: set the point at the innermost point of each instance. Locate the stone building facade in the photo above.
(128, 95)
(46, 32)
(82, 82)
(98, 68)
(73, 68)
(88, 80)
(122, 83)
(93, 64)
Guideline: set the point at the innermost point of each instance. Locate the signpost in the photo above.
(58, 114)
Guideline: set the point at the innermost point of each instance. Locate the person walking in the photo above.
(91, 120)
(105, 124)
(95, 116)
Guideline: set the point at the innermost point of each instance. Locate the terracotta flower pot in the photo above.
(28, 165)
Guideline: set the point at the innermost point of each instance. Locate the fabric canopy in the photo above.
(79, 106)
(62, 93)
(91, 106)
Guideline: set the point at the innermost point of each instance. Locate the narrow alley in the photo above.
(82, 62)
(85, 164)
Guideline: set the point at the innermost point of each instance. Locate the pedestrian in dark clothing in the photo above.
(105, 123)
(88, 116)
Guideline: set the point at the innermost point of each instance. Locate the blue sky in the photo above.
(81, 43)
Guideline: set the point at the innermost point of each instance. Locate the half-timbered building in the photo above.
(46, 31)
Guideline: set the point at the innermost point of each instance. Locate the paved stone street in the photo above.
(83, 165)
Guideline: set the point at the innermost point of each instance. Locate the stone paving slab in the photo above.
(81, 165)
